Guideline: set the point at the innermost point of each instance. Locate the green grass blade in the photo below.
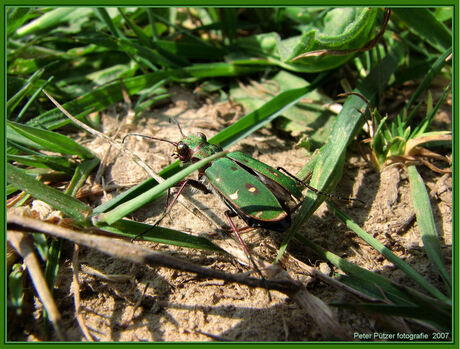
(105, 18)
(51, 141)
(349, 122)
(52, 267)
(131, 229)
(16, 17)
(44, 161)
(15, 288)
(432, 315)
(261, 116)
(60, 201)
(423, 126)
(127, 207)
(46, 21)
(81, 174)
(430, 75)
(110, 94)
(143, 38)
(52, 262)
(33, 98)
(406, 268)
(382, 287)
(426, 224)
(424, 23)
(126, 195)
(19, 95)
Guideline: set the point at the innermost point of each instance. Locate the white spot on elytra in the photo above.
(252, 189)
(234, 196)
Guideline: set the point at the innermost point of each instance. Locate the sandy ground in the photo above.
(159, 304)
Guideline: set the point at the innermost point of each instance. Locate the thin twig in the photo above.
(144, 256)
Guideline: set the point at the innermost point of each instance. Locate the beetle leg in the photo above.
(245, 249)
(319, 192)
(182, 184)
(166, 211)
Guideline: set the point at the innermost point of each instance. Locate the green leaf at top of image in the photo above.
(308, 115)
(340, 29)
(44, 139)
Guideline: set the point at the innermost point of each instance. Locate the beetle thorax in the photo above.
(195, 147)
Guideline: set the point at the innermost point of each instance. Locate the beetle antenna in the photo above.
(149, 137)
(178, 125)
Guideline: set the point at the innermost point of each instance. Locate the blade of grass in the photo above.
(110, 94)
(52, 266)
(60, 201)
(426, 225)
(131, 229)
(13, 102)
(421, 128)
(51, 19)
(104, 17)
(126, 208)
(242, 128)
(43, 161)
(16, 17)
(372, 280)
(430, 75)
(349, 122)
(81, 174)
(15, 282)
(406, 268)
(424, 23)
(32, 98)
(430, 314)
(51, 141)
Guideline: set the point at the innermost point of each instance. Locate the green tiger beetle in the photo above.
(262, 196)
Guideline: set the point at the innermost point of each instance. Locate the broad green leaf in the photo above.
(341, 29)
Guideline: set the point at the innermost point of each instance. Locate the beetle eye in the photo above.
(182, 148)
